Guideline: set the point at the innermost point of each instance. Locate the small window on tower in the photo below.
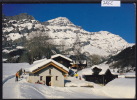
(56, 78)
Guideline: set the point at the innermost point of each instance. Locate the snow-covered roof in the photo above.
(59, 55)
(85, 71)
(88, 71)
(114, 71)
(104, 68)
(41, 60)
(77, 62)
(44, 62)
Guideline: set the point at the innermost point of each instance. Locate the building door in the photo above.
(48, 80)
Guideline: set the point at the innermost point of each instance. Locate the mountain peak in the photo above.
(61, 21)
(104, 32)
(62, 18)
(21, 16)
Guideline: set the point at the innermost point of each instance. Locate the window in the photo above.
(41, 78)
(56, 78)
(49, 71)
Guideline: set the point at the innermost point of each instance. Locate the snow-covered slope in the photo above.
(60, 21)
(10, 69)
(120, 88)
(24, 90)
(62, 31)
(109, 42)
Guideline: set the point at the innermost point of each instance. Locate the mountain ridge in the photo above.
(20, 16)
(62, 29)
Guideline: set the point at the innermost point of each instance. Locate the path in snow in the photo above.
(18, 90)
(25, 90)
(7, 78)
(11, 89)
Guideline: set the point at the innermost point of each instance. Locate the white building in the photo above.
(48, 72)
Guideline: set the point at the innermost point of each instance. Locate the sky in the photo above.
(91, 17)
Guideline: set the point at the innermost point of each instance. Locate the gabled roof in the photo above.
(96, 68)
(103, 67)
(89, 71)
(59, 55)
(40, 66)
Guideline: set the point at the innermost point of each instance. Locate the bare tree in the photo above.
(62, 46)
(96, 59)
(77, 50)
(38, 47)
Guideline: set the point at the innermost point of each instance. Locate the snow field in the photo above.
(121, 88)
(118, 88)
(10, 69)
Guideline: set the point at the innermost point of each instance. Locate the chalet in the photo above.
(48, 72)
(79, 63)
(100, 75)
(62, 60)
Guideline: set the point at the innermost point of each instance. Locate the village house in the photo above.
(80, 63)
(48, 72)
(100, 75)
(62, 60)
(76, 64)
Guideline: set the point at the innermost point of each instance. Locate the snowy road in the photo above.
(24, 90)
(16, 90)
(11, 89)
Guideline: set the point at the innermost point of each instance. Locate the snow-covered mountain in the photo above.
(62, 31)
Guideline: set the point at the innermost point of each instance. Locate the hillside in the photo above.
(123, 59)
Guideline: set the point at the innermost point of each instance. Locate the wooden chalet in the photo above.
(48, 72)
(62, 60)
(79, 64)
(100, 76)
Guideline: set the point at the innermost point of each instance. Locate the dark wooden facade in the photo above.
(62, 61)
(82, 66)
(96, 70)
(79, 64)
(101, 79)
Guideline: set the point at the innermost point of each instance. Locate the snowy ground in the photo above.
(10, 69)
(118, 88)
